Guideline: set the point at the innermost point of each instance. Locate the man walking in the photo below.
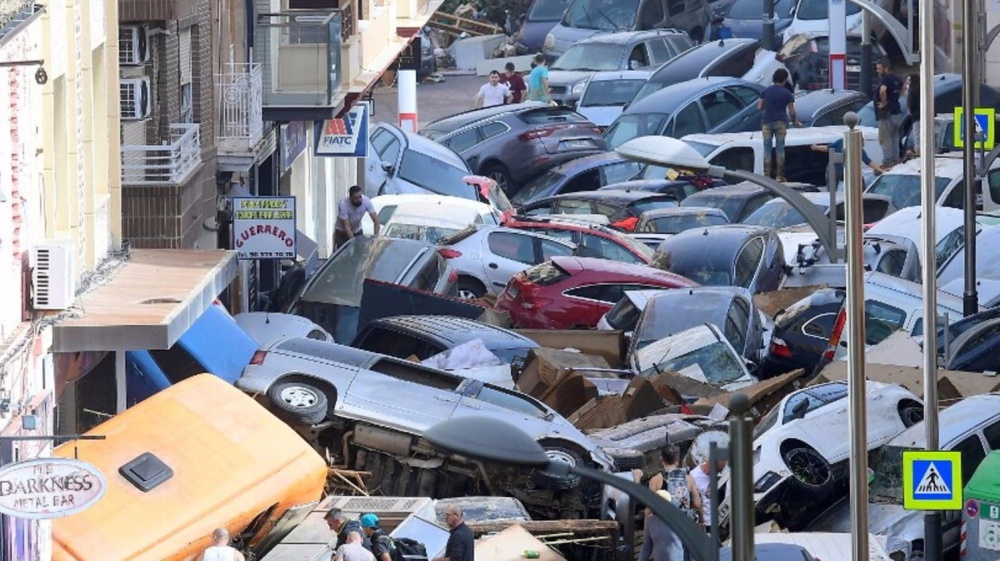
(352, 549)
(777, 103)
(514, 82)
(679, 483)
(461, 542)
(338, 522)
(493, 93)
(220, 549)
(538, 80)
(659, 543)
(350, 211)
(381, 543)
(888, 112)
(700, 474)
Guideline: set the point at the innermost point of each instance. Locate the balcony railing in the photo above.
(300, 54)
(169, 163)
(16, 14)
(241, 122)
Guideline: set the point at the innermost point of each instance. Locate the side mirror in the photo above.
(799, 411)
(388, 168)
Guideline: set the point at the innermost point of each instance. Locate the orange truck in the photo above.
(196, 456)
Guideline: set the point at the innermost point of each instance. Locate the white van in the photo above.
(902, 184)
(429, 210)
(745, 151)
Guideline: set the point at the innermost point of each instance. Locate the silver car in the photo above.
(486, 257)
(309, 382)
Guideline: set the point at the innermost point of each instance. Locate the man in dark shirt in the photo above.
(838, 146)
(338, 522)
(462, 542)
(514, 82)
(380, 542)
(777, 103)
(888, 112)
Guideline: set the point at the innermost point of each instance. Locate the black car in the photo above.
(582, 174)
(732, 58)
(680, 188)
(737, 201)
(821, 108)
(808, 60)
(426, 336)
(622, 208)
(801, 333)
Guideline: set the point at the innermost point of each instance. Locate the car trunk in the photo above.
(561, 130)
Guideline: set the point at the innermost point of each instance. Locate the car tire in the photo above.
(811, 472)
(470, 288)
(553, 482)
(910, 413)
(298, 402)
(498, 172)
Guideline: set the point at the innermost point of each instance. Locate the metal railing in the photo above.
(241, 122)
(300, 54)
(14, 14)
(165, 164)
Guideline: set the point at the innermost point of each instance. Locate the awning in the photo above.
(149, 303)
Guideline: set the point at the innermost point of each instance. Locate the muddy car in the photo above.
(370, 411)
(637, 443)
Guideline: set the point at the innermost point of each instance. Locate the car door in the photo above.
(432, 395)
(508, 253)
(462, 142)
(382, 169)
(688, 120)
(749, 119)
(723, 110)
(660, 51)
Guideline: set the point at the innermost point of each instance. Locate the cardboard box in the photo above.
(773, 302)
(545, 368)
(952, 385)
(763, 395)
(609, 345)
(510, 545)
(639, 400)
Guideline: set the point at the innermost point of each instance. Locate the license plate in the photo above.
(577, 144)
(854, 68)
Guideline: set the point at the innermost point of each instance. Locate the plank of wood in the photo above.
(581, 526)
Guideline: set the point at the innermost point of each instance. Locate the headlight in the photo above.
(579, 87)
(550, 41)
(766, 482)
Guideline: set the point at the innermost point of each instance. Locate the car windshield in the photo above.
(606, 93)
(703, 148)
(538, 187)
(591, 56)
(701, 274)
(342, 277)
(547, 10)
(650, 87)
(819, 9)
(766, 423)
(776, 213)
(435, 175)
(642, 206)
(606, 15)
(714, 364)
(754, 9)
(729, 203)
(680, 223)
(623, 315)
(887, 487)
(627, 127)
(432, 234)
(904, 189)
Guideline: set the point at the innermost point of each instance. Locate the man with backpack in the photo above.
(679, 483)
(382, 545)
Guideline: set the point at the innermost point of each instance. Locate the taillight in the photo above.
(449, 253)
(258, 358)
(596, 130)
(627, 224)
(535, 134)
(780, 348)
(838, 330)
(453, 276)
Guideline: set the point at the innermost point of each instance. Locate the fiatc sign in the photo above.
(49, 488)
(264, 227)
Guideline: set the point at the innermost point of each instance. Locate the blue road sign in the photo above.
(932, 480)
(985, 118)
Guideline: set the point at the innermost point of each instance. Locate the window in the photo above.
(719, 106)
(516, 247)
(680, 43)
(892, 263)
(755, 203)
(616, 173)
(675, 7)
(570, 206)
(409, 372)
(688, 121)
(881, 320)
(176, 363)
(187, 104)
(489, 130)
(603, 247)
(610, 293)
(463, 140)
(390, 153)
(836, 115)
(550, 249)
(738, 158)
(511, 401)
(972, 454)
(737, 63)
(429, 274)
(993, 177)
(746, 94)
(949, 245)
(386, 213)
(659, 51)
(737, 321)
(398, 344)
(748, 261)
(955, 198)
(992, 434)
(638, 57)
(820, 326)
(586, 181)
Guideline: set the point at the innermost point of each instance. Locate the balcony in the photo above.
(241, 121)
(299, 51)
(167, 164)
(16, 15)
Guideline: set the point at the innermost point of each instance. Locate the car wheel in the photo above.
(810, 470)
(470, 288)
(910, 413)
(555, 482)
(499, 173)
(298, 402)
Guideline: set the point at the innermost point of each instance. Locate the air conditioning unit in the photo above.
(133, 47)
(53, 276)
(136, 103)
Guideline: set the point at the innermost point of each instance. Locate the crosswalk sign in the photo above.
(932, 480)
(985, 120)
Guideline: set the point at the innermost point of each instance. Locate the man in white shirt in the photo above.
(493, 93)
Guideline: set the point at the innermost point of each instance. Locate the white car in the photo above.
(701, 353)
(606, 94)
(437, 217)
(442, 206)
(267, 328)
(404, 162)
(801, 446)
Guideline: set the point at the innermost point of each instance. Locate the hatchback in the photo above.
(680, 219)
(593, 240)
(582, 174)
(621, 207)
(574, 292)
(737, 201)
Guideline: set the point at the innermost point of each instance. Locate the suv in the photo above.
(628, 50)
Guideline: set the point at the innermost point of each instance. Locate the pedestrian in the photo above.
(838, 146)
(220, 549)
(888, 112)
(679, 483)
(912, 144)
(353, 549)
(777, 103)
(538, 80)
(350, 211)
(381, 544)
(461, 541)
(493, 93)
(338, 522)
(659, 542)
(701, 480)
(514, 82)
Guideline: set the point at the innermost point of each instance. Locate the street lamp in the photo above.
(670, 152)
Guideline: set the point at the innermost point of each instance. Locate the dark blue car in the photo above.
(582, 174)
(745, 19)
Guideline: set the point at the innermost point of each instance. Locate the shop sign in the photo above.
(264, 227)
(49, 487)
(346, 136)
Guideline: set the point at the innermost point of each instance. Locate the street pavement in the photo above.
(434, 101)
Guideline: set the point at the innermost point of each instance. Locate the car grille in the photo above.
(557, 90)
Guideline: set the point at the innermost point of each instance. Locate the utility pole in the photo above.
(970, 91)
(767, 38)
(838, 44)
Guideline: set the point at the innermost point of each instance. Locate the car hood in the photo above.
(600, 115)
(533, 34)
(566, 37)
(568, 77)
(752, 28)
(883, 519)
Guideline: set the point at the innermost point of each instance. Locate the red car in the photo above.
(594, 240)
(574, 292)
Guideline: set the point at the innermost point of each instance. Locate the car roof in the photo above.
(574, 265)
(828, 133)
(811, 102)
(668, 98)
(626, 37)
(682, 211)
(954, 422)
(696, 59)
(612, 75)
(610, 194)
(459, 120)
(712, 299)
(458, 330)
(723, 191)
(427, 146)
(952, 168)
(710, 243)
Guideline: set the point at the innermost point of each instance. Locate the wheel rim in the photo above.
(561, 456)
(298, 397)
(466, 294)
(500, 178)
(808, 466)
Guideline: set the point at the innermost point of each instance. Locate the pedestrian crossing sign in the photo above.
(984, 120)
(932, 480)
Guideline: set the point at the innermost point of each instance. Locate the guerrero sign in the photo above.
(49, 488)
(264, 227)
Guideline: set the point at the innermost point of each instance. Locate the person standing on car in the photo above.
(888, 112)
(679, 483)
(777, 102)
(538, 80)
(514, 82)
(350, 211)
(493, 93)
(462, 542)
(912, 147)
(380, 542)
(702, 481)
(659, 542)
(220, 549)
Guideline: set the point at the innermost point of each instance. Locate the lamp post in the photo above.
(666, 151)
